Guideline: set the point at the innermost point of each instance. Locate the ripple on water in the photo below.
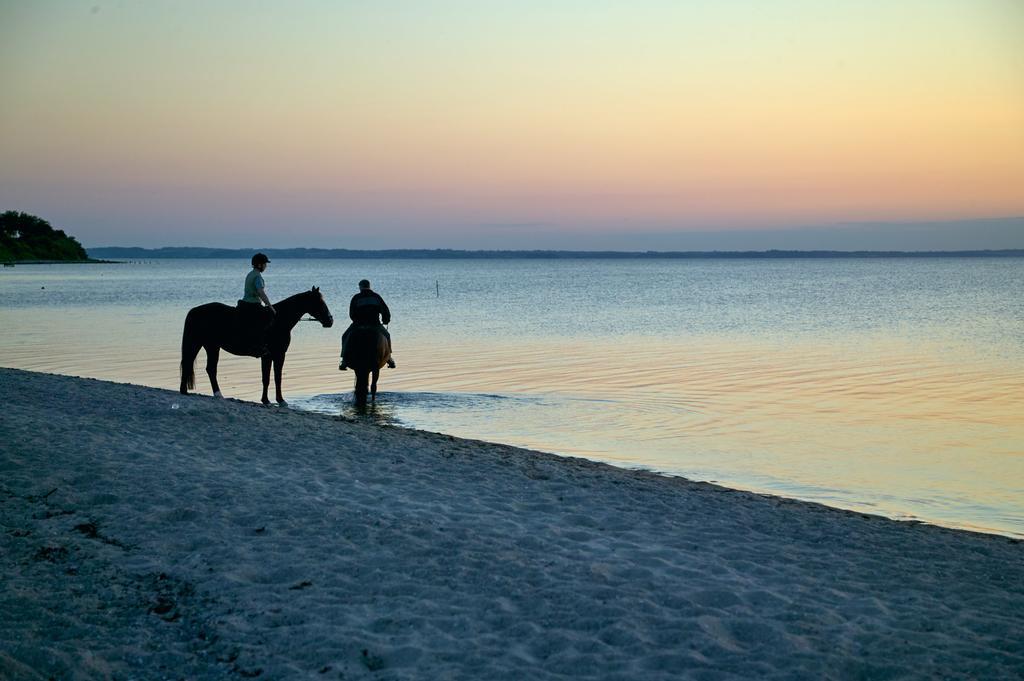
(830, 404)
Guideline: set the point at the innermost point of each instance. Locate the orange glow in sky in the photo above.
(464, 124)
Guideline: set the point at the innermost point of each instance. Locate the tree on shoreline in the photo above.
(27, 237)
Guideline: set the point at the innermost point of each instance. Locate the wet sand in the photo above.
(148, 535)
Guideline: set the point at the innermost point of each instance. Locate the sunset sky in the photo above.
(558, 124)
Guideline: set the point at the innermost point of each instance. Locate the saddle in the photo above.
(250, 333)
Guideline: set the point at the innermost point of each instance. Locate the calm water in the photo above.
(887, 386)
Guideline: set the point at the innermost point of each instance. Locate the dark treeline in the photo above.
(27, 237)
(132, 253)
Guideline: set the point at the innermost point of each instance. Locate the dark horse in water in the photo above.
(367, 350)
(215, 325)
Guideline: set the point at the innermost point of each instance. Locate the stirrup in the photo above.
(391, 363)
(342, 366)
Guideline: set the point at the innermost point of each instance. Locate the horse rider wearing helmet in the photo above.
(253, 306)
(366, 308)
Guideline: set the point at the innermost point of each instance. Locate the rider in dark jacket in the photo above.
(369, 309)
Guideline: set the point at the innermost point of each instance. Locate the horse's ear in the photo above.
(316, 289)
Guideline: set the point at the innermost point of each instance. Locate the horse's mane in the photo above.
(294, 298)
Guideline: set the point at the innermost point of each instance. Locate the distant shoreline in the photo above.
(187, 252)
(89, 261)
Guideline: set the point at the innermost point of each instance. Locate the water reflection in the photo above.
(409, 409)
(378, 413)
(896, 392)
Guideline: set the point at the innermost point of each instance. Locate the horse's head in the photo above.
(318, 308)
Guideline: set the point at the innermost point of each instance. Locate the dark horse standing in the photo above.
(368, 350)
(215, 325)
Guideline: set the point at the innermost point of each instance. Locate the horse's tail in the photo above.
(190, 345)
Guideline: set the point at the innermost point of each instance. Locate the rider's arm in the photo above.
(262, 293)
(385, 313)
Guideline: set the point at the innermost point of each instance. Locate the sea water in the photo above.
(889, 386)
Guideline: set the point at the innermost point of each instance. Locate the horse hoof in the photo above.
(282, 403)
(217, 393)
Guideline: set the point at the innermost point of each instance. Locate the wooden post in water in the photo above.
(437, 286)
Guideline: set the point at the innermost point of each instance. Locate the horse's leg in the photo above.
(373, 386)
(362, 378)
(278, 365)
(212, 357)
(265, 362)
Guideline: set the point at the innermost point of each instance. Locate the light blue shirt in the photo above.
(253, 283)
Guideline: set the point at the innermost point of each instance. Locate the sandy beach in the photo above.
(147, 535)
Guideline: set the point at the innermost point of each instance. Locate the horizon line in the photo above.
(304, 252)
